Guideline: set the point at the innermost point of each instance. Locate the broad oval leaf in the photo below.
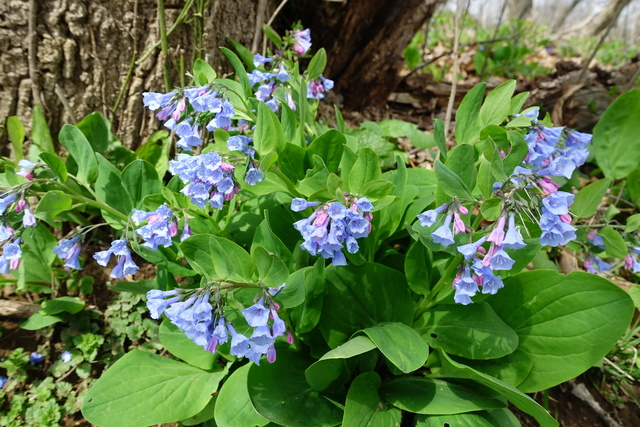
(280, 393)
(142, 389)
(178, 344)
(432, 396)
(79, 148)
(233, 406)
(365, 408)
(140, 179)
(218, 258)
(474, 331)
(566, 324)
(589, 198)
(399, 343)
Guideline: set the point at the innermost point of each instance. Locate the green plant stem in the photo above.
(124, 87)
(435, 296)
(165, 45)
(288, 182)
(179, 20)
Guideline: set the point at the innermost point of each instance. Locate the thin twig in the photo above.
(261, 11)
(598, 46)
(32, 58)
(269, 22)
(495, 33)
(124, 86)
(165, 45)
(454, 79)
(62, 96)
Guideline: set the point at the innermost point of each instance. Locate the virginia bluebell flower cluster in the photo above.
(68, 250)
(186, 110)
(270, 80)
(160, 228)
(301, 41)
(332, 226)
(10, 258)
(632, 261)
(554, 151)
(191, 311)
(125, 264)
(444, 234)
(208, 178)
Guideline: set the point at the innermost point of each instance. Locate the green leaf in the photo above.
(110, 189)
(633, 223)
(56, 164)
(566, 324)
(241, 73)
(291, 402)
(376, 190)
(512, 368)
(358, 296)
(589, 198)
(178, 344)
(516, 103)
(615, 138)
(633, 184)
(365, 408)
(317, 65)
(613, 242)
(218, 258)
(323, 372)
(165, 258)
(519, 150)
(417, 266)
(272, 35)
(365, 169)
(16, 132)
(244, 53)
(233, 406)
(59, 305)
(329, 146)
(39, 320)
(451, 183)
(140, 179)
(52, 204)
(467, 125)
(306, 315)
(272, 271)
(490, 418)
(453, 369)
(203, 72)
(156, 151)
(432, 396)
(97, 129)
(399, 343)
(491, 208)
(474, 331)
(265, 237)
(496, 106)
(461, 161)
(40, 131)
(124, 393)
(79, 148)
(268, 135)
(441, 140)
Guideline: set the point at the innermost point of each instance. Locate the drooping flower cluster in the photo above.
(68, 250)
(191, 311)
(125, 264)
(186, 110)
(444, 234)
(241, 143)
(318, 87)
(208, 178)
(269, 81)
(160, 228)
(632, 261)
(301, 41)
(554, 151)
(332, 226)
(10, 258)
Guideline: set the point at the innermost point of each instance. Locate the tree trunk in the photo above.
(365, 41)
(520, 9)
(595, 24)
(78, 57)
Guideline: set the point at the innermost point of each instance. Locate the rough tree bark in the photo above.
(520, 9)
(77, 57)
(365, 41)
(80, 52)
(596, 23)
